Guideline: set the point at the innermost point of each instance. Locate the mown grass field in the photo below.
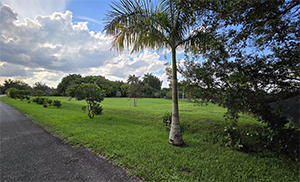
(136, 138)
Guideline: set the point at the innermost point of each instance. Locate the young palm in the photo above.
(139, 24)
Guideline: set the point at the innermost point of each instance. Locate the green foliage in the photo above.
(152, 81)
(96, 108)
(148, 91)
(27, 98)
(135, 89)
(12, 92)
(20, 94)
(43, 87)
(91, 93)
(39, 93)
(41, 100)
(57, 103)
(18, 84)
(67, 82)
(124, 89)
(249, 81)
(50, 101)
(167, 118)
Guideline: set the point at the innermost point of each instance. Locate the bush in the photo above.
(35, 100)
(96, 108)
(27, 98)
(167, 118)
(12, 92)
(40, 100)
(50, 101)
(57, 103)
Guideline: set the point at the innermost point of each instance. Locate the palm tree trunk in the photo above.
(175, 137)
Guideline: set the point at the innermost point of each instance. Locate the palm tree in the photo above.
(142, 24)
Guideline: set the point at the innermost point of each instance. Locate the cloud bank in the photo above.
(50, 47)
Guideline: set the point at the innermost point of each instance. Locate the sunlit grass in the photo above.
(136, 138)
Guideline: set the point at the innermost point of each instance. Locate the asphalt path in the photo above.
(29, 153)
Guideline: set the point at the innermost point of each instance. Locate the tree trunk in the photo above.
(175, 137)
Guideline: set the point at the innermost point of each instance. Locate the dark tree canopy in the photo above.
(253, 62)
(66, 82)
(18, 84)
(152, 81)
(41, 86)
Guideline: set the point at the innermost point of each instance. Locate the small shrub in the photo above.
(57, 103)
(83, 108)
(50, 101)
(40, 100)
(167, 118)
(27, 97)
(34, 99)
(12, 92)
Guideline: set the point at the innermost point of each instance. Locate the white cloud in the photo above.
(47, 48)
(31, 8)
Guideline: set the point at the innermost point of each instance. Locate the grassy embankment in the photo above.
(135, 138)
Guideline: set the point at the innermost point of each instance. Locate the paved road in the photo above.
(29, 153)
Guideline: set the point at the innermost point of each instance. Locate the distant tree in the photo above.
(39, 93)
(148, 91)
(2, 89)
(42, 86)
(66, 82)
(18, 84)
(135, 88)
(92, 94)
(124, 89)
(152, 81)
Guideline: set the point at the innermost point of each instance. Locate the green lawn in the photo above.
(136, 138)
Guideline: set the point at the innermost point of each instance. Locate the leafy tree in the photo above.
(22, 93)
(92, 94)
(124, 89)
(110, 87)
(18, 84)
(42, 86)
(135, 88)
(152, 81)
(148, 91)
(142, 24)
(67, 81)
(39, 93)
(258, 81)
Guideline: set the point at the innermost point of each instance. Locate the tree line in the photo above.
(148, 86)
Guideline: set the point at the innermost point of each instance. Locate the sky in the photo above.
(45, 40)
